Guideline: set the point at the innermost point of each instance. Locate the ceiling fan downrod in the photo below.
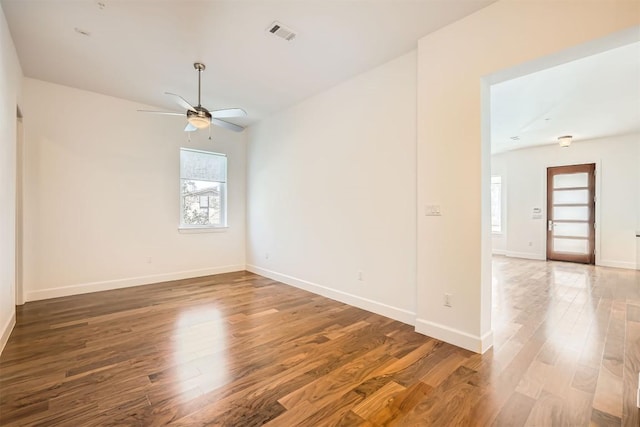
(200, 67)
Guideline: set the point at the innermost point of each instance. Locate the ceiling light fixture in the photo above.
(565, 141)
(199, 117)
(198, 120)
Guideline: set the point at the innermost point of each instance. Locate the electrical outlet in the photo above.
(149, 260)
(360, 276)
(266, 255)
(447, 300)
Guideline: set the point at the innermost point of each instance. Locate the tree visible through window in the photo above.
(203, 185)
(496, 204)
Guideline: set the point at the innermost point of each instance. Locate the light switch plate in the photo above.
(432, 210)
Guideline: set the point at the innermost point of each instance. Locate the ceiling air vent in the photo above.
(277, 29)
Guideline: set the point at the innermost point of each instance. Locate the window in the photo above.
(496, 204)
(203, 189)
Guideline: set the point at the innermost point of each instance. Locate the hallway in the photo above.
(581, 324)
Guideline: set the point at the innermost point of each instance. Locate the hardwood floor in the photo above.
(242, 350)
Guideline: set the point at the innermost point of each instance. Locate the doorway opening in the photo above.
(527, 114)
(19, 205)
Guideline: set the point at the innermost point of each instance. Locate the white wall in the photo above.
(101, 195)
(455, 65)
(10, 77)
(617, 164)
(331, 192)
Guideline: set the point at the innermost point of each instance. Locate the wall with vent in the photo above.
(101, 206)
(10, 77)
(331, 192)
(617, 180)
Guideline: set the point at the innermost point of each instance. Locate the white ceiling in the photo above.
(138, 49)
(593, 97)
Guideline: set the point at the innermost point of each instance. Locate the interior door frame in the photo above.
(595, 256)
(19, 213)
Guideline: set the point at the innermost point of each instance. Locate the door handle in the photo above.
(550, 225)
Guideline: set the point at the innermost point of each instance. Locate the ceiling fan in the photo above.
(199, 117)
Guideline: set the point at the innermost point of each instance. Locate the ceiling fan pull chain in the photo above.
(209, 133)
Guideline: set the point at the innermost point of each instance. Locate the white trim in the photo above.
(106, 285)
(498, 252)
(399, 314)
(617, 264)
(203, 151)
(19, 218)
(198, 230)
(638, 395)
(526, 255)
(478, 344)
(486, 341)
(6, 330)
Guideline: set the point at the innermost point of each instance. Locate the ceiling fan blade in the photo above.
(169, 113)
(190, 128)
(227, 125)
(182, 102)
(229, 112)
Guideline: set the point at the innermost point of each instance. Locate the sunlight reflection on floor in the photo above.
(200, 350)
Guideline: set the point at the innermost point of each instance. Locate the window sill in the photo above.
(497, 233)
(198, 230)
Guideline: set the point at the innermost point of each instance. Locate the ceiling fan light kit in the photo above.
(565, 141)
(197, 120)
(199, 117)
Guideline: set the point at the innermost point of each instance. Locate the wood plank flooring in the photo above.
(239, 349)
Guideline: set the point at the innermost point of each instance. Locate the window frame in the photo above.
(204, 228)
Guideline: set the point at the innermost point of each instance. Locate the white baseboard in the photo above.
(107, 285)
(399, 314)
(478, 344)
(5, 332)
(498, 252)
(526, 255)
(604, 263)
(617, 264)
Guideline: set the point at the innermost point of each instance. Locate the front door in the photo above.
(571, 213)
